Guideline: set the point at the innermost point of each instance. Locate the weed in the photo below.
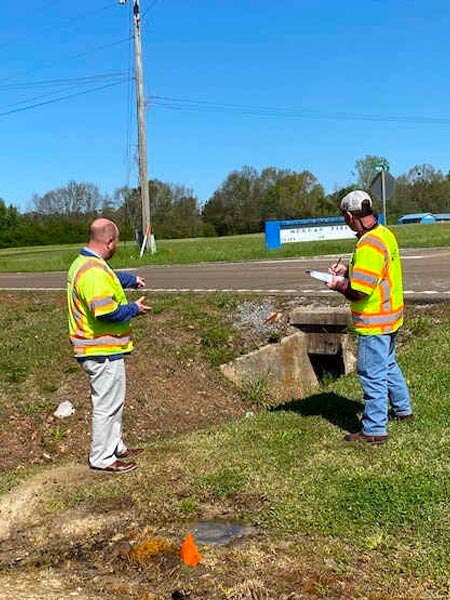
(218, 356)
(215, 337)
(188, 506)
(58, 433)
(275, 337)
(39, 406)
(216, 345)
(326, 380)
(420, 326)
(256, 391)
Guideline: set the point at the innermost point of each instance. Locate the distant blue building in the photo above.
(442, 216)
(417, 218)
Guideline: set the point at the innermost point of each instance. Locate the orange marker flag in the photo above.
(189, 552)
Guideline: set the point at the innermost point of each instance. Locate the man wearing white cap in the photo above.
(373, 284)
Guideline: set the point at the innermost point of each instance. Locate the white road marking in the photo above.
(307, 291)
(33, 289)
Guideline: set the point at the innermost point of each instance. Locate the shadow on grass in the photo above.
(339, 410)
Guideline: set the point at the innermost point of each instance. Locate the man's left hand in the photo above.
(140, 282)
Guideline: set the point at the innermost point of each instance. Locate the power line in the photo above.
(185, 104)
(77, 55)
(74, 56)
(50, 82)
(97, 48)
(61, 98)
(67, 85)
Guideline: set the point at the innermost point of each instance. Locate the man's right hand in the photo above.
(339, 270)
(142, 308)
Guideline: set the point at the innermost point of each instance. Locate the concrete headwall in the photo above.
(285, 366)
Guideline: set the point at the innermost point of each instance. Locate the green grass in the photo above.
(35, 353)
(232, 248)
(34, 348)
(287, 470)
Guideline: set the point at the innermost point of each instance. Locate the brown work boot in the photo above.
(393, 417)
(119, 466)
(404, 417)
(130, 452)
(368, 439)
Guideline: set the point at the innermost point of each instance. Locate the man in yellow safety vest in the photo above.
(100, 333)
(373, 284)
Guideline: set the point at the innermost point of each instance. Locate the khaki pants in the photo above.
(107, 382)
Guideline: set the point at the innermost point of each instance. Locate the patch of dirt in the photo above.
(166, 395)
(41, 585)
(19, 506)
(171, 388)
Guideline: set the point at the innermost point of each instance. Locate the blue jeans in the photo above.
(382, 382)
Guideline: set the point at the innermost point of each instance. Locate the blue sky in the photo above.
(297, 84)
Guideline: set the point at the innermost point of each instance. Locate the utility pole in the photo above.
(149, 240)
(383, 194)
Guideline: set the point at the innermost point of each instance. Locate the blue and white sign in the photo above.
(306, 230)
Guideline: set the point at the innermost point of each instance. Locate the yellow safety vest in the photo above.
(93, 290)
(375, 270)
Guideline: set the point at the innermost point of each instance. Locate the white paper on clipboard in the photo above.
(322, 276)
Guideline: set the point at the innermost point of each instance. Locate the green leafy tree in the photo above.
(236, 206)
(10, 219)
(298, 196)
(247, 199)
(174, 210)
(368, 167)
(422, 189)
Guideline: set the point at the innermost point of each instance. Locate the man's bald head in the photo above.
(102, 229)
(103, 237)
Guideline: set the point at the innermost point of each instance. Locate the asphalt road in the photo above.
(426, 276)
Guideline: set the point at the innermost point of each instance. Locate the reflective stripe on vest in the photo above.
(104, 340)
(386, 319)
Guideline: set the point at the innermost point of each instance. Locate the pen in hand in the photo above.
(334, 268)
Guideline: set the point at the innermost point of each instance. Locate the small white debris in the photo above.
(65, 409)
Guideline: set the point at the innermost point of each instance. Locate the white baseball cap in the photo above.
(356, 201)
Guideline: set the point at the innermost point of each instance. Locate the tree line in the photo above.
(242, 204)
